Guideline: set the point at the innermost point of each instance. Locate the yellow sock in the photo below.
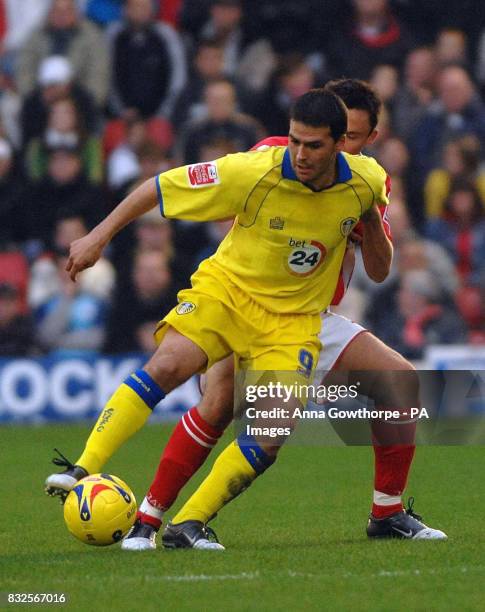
(125, 413)
(233, 472)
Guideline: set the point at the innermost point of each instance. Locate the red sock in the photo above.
(190, 443)
(393, 442)
(392, 464)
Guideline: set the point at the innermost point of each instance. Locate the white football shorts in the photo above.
(336, 334)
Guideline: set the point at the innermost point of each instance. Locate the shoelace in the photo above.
(410, 510)
(63, 461)
(210, 534)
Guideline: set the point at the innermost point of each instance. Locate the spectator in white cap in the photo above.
(55, 81)
(55, 70)
(66, 33)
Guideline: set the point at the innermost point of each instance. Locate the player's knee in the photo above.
(399, 363)
(167, 372)
(398, 386)
(404, 375)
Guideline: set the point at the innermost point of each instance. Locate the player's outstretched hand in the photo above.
(84, 253)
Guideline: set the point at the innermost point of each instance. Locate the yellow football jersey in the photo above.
(286, 246)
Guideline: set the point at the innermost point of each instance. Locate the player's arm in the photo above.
(199, 192)
(376, 247)
(86, 251)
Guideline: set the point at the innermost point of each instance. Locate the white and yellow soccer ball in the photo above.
(100, 510)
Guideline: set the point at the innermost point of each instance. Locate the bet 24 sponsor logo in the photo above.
(305, 257)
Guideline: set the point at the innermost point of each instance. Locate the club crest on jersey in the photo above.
(276, 223)
(203, 175)
(185, 308)
(347, 226)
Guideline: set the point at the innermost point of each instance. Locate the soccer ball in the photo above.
(100, 510)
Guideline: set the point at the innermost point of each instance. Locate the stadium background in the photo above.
(198, 80)
(96, 97)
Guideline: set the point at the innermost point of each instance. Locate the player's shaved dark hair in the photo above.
(358, 95)
(320, 108)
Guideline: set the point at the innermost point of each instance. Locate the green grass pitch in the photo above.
(295, 540)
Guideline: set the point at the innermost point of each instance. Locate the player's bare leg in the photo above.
(395, 381)
(188, 447)
(176, 359)
(216, 404)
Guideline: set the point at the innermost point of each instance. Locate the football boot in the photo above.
(190, 534)
(140, 537)
(405, 525)
(61, 483)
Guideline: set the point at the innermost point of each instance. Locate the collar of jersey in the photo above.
(344, 173)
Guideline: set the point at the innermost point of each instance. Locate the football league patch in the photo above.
(203, 175)
(185, 308)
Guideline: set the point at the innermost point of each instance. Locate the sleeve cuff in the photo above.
(159, 195)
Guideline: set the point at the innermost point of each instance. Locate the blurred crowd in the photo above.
(98, 95)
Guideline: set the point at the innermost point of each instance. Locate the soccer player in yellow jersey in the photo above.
(346, 346)
(261, 294)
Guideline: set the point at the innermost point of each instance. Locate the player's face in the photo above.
(313, 152)
(359, 132)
